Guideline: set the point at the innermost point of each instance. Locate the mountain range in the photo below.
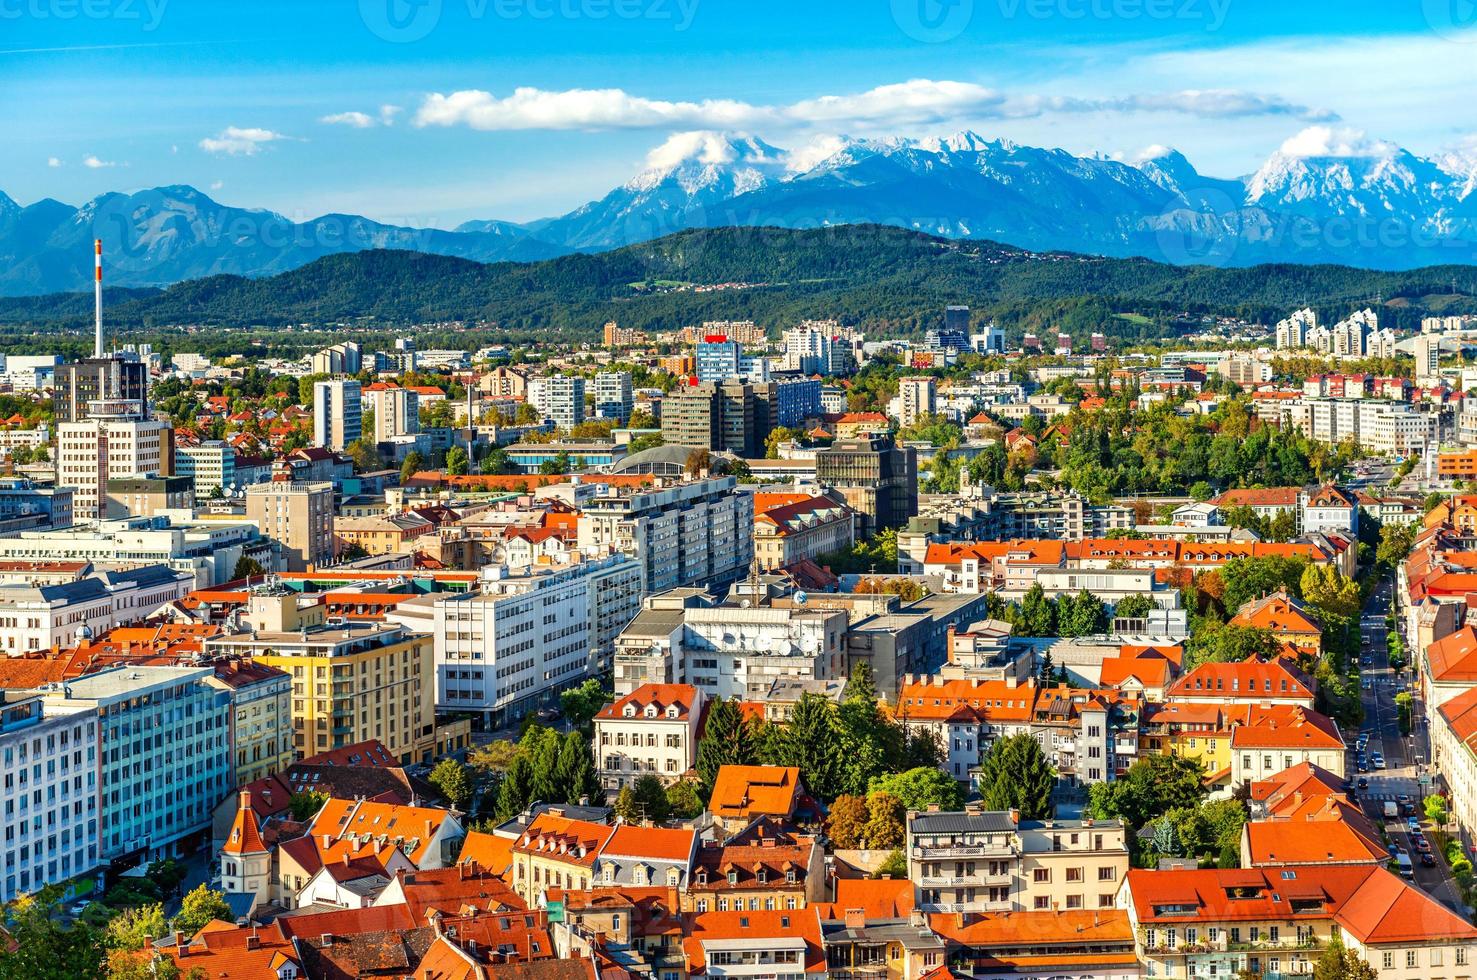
(1372, 205)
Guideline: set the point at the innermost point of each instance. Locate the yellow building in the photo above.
(351, 681)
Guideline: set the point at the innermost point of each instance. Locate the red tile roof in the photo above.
(658, 696)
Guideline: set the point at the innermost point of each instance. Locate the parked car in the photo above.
(1428, 860)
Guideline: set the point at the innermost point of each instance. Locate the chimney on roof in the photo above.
(1015, 816)
(245, 799)
(856, 918)
(179, 943)
(326, 939)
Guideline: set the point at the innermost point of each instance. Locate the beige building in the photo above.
(790, 527)
(261, 717)
(990, 861)
(115, 441)
(352, 681)
(654, 729)
(146, 496)
(917, 397)
(1274, 922)
(298, 517)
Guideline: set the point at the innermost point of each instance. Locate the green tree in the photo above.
(648, 801)
(917, 789)
(247, 567)
(201, 907)
(895, 866)
(305, 803)
(1251, 578)
(812, 740)
(494, 757)
(1152, 787)
(496, 462)
(1016, 776)
(135, 928)
(1037, 613)
(413, 464)
(581, 704)
(1218, 643)
(683, 801)
(457, 463)
(1081, 615)
(1435, 807)
(1338, 962)
(515, 791)
(556, 465)
(455, 782)
(364, 456)
(728, 739)
(1135, 606)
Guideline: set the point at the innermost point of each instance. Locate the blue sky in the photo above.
(429, 112)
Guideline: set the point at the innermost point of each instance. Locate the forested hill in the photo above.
(884, 278)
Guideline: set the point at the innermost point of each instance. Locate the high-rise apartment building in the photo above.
(211, 465)
(716, 416)
(917, 397)
(344, 358)
(878, 479)
(298, 517)
(613, 399)
(338, 414)
(558, 398)
(396, 411)
(113, 440)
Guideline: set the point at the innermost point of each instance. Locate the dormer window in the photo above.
(762, 875)
(630, 711)
(733, 877)
(672, 711)
(651, 711)
(790, 876)
(702, 877)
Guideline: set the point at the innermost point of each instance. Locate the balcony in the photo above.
(1002, 880)
(979, 905)
(925, 852)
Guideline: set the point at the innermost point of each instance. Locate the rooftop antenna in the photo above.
(97, 325)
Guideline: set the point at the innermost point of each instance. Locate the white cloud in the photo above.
(611, 108)
(216, 185)
(388, 114)
(815, 152)
(358, 120)
(53, 162)
(1327, 141)
(93, 163)
(918, 101)
(238, 141)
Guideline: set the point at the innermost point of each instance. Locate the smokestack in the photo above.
(97, 326)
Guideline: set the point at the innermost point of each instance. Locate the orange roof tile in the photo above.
(748, 791)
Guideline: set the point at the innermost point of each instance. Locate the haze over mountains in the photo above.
(1319, 198)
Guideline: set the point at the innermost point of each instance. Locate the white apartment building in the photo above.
(559, 398)
(917, 397)
(396, 411)
(612, 393)
(338, 414)
(49, 808)
(511, 647)
(654, 729)
(818, 347)
(47, 616)
(115, 441)
(1292, 332)
(1373, 424)
(211, 464)
(679, 533)
(12, 439)
(726, 650)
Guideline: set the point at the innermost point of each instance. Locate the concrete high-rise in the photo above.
(298, 517)
(878, 479)
(338, 414)
(98, 379)
(613, 400)
(113, 441)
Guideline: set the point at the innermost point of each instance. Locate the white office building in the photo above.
(528, 634)
(613, 400)
(113, 442)
(211, 464)
(396, 411)
(50, 802)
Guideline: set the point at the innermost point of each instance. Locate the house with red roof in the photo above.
(743, 793)
(788, 530)
(1259, 681)
(1266, 739)
(1285, 617)
(1449, 667)
(791, 941)
(654, 729)
(766, 865)
(1454, 754)
(1276, 920)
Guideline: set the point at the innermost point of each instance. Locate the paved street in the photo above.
(1404, 758)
